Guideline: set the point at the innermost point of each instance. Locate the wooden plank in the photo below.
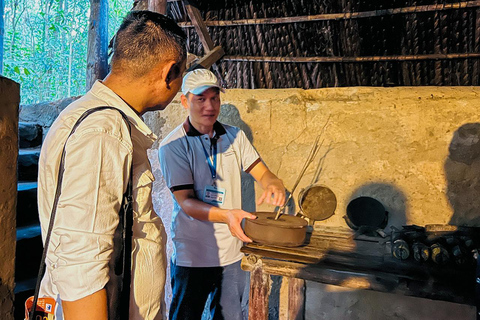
(260, 286)
(360, 254)
(209, 59)
(323, 245)
(355, 59)
(458, 289)
(341, 16)
(296, 299)
(200, 27)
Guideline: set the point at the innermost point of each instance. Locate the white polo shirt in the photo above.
(184, 165)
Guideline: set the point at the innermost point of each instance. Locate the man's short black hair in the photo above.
(144, 39)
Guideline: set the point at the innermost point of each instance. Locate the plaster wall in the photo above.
(416, 150)
(9, 100)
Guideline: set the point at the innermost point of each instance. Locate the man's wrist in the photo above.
(221, 215)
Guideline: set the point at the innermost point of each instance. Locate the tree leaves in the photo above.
(46, 45)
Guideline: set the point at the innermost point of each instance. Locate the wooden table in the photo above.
(333, 256)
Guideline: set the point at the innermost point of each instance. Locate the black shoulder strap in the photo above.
(126, 219)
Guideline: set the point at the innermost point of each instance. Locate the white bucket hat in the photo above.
(199, 80)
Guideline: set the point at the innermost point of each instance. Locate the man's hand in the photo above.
(93, 306)
(274, 190)
(234, 219)
(274, 193)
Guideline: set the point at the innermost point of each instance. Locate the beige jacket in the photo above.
(97, 166)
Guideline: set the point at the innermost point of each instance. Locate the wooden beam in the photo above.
(200, 27)
(341, 16)
(159, 6)
(356, 59)
(209, 59)
(457, 290)
(207, 42)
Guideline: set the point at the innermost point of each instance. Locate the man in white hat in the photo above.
(202, 161)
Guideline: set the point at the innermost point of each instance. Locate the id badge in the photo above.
(214, 195)
(45, 308)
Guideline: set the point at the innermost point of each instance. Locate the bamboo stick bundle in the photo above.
(464, 38)
(444, 48)
(476, 64)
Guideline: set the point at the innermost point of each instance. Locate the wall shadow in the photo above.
(462, 173)
(229, 114)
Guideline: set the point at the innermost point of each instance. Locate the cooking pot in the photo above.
(286, 231)
(366, 213)
(317, 202)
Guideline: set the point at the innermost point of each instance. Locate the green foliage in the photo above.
(45, 46)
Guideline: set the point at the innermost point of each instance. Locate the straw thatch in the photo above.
(325, 43)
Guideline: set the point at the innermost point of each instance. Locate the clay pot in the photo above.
(286, 231)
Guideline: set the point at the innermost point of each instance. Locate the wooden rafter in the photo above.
(212, 53)
(340, 16)
(355, 59)
(200, 27)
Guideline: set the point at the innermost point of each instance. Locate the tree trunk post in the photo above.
(159, 6)
(296, 299)
(2, 32)
(97, 64)
(9, 100)
(260, 286)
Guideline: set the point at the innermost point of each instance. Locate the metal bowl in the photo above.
(287, 231)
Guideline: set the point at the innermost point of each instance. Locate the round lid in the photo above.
(317, 202)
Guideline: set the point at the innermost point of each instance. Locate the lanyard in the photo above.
(211, 166)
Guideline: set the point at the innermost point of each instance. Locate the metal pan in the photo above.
(317, 202)
(286, 231)
(366, 213)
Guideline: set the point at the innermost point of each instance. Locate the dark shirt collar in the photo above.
(192, 132)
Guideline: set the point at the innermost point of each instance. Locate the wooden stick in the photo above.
(341, 16)
(356, 59)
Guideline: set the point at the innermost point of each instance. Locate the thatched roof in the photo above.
(324, 43)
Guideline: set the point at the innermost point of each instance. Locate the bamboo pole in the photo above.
(340, 16)
(448, 56)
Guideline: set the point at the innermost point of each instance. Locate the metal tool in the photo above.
(310, 158)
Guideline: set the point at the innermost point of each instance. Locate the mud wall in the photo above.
(416, 150)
